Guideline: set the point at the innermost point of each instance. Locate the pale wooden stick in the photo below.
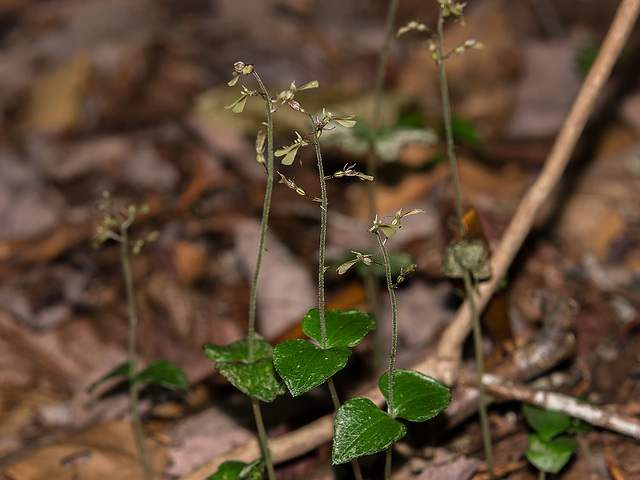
(562, 403)
(450, 345)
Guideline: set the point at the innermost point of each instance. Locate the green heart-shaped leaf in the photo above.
(165, 373)
(416, 396)
(547, 423)
(303, 365)
(257, 379)
(345, 328)
(121, 370)
(235, 470)
(361, 428)
(550, 455)
(238, 351)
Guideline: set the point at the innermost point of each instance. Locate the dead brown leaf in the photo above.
(106, 450)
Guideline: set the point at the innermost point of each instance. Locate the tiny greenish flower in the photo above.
(289, 153)
(451, 8)
(366, 259)
(136, 248)
(404, 272)
(243, 68)
(286, 96)
(345, 121)
(292, 185)
(433, 49)
(413, 25)
(386, 228)
(296, 106)
(260, 140)
(238, 105)
(348, 171)
(240, 68)
(471, 43)
(389, 229)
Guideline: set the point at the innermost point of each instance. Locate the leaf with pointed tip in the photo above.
(361, 428)
(344, 328)
(547, 423)
(257, 379)
(550, 455)
(303, 365)
(235, 470)
(416, 396)
(121, 370)
(165, 373)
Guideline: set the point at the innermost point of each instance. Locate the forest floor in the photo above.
(128, 97)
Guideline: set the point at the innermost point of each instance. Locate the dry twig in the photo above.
(562, 403)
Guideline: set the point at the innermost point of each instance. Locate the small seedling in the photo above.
(115, 226)
(550, 448)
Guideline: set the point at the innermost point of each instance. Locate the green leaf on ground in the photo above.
(550, 455)
(547, 423)
(234, 470)
(165, 373)
(238, 351)
(361, 428)
(344, 328)
(416, 396)
(121, 370)
(303, 365)
(257, 379)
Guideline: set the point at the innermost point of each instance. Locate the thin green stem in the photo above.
(133, 323)
(394, 341)
(390, 21)
(394, 320)
(370, 280)
(482, 399)
(262, 437)
(321, 271)
(323, 238)
(262, 433)
(265, 216)
(477, 331)
(448, 129)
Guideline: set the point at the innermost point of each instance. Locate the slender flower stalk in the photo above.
(255, 404)
(115, 226)
(448, 129)
(323, 239)
(133, 323)
(265, 215)
(439, 58)
(321, 273)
